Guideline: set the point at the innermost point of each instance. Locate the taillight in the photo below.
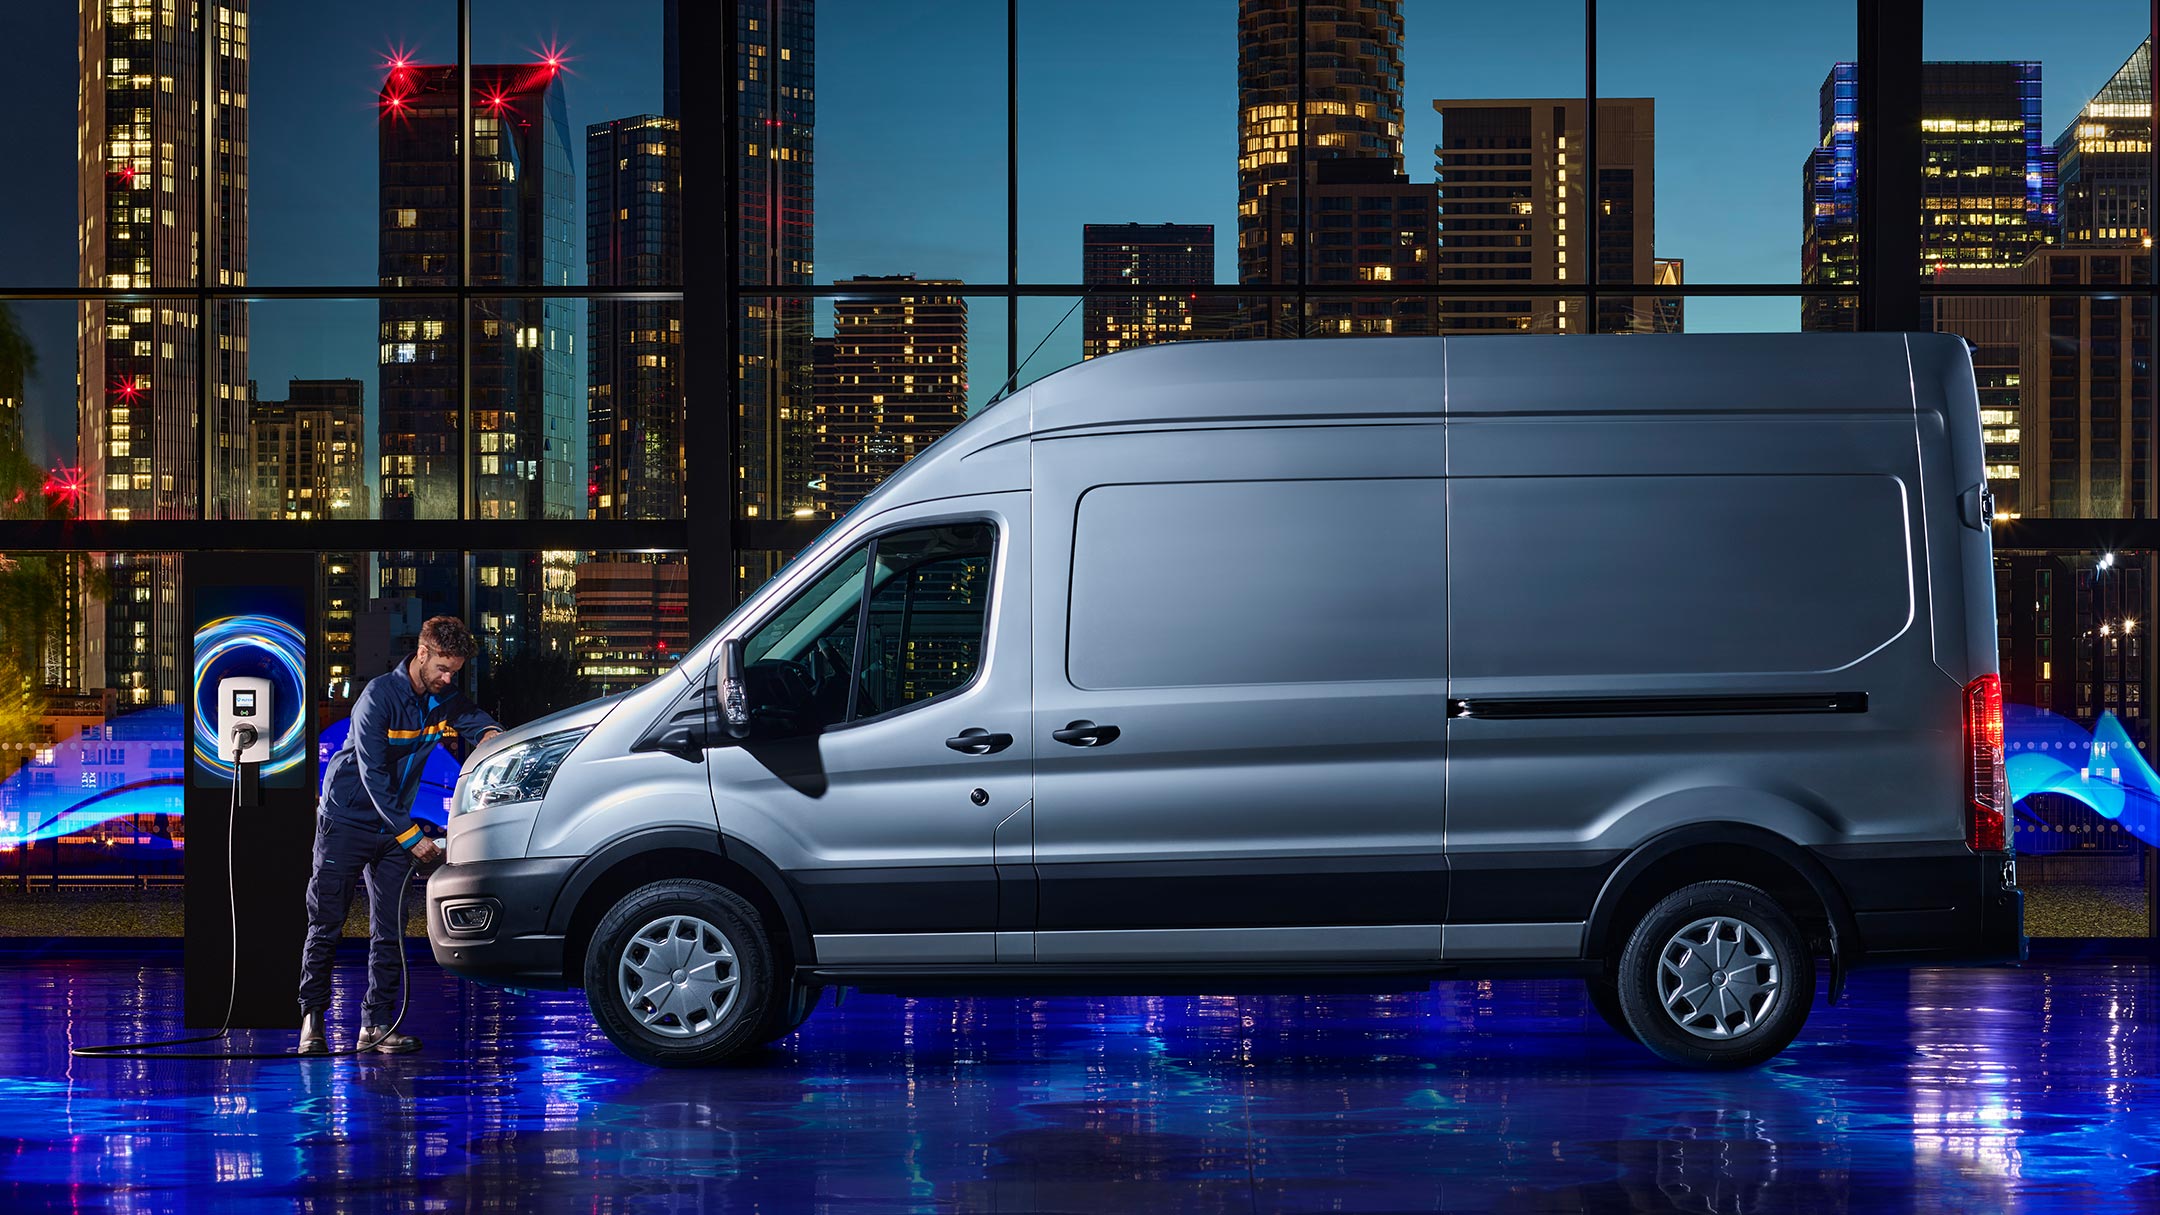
(1987, 791)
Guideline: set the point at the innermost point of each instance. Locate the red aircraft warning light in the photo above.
(66, 485)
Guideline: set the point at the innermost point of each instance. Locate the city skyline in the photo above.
(611, 65)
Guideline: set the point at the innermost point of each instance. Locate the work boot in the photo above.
(312, 1041)
(385, 1041)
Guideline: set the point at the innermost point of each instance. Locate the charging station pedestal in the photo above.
(250, 614)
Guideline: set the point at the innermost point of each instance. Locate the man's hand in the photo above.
(427, 852)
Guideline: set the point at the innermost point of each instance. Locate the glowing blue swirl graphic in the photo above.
(2051, 754)
(252, 644)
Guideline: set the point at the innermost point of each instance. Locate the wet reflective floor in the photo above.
(1966, 1091)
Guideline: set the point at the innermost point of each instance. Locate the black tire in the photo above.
(1728, 1031)
(1604, 997)
(710, 1035)
(788, 1014)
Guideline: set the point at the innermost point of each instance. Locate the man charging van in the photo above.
(365, 832)
(1667, 662)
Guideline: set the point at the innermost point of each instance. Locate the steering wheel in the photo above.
(830, 651)
(779, 692)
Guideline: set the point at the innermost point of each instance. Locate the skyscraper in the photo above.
(309, 459)
(140, 159)
(631, 621)
(2087, 387)
(891, 380)
(1512, 193)
(2104, 158)
(1353, 88)
(1123, 260)
(1671, 315)
(1987, 190)
(633, 238)
(776, 107)
(1370, 224)
(671, 59)
(1994, 325)
(525, 417)
(308, 453)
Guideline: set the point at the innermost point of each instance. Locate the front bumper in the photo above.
(1933, 907)
(488, 920)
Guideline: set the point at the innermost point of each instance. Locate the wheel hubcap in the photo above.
(1718, 977)
(677, 976)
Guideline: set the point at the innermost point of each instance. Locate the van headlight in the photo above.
(518, 774)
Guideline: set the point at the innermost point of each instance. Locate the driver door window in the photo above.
(904, 614)
(926, 617)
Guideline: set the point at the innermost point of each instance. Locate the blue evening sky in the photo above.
(1127, 114)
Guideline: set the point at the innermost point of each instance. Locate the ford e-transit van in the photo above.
(1665, 662)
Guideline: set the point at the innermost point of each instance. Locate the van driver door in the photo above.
(888, 766)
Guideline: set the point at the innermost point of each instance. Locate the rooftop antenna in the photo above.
(1007, 386)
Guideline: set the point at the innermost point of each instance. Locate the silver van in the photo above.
(1663, 662)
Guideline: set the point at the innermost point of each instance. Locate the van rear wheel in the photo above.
(679, 974)
(1717, 975)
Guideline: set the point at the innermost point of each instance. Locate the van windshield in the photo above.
(829, 601)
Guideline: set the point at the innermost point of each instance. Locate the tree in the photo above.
(34, 588)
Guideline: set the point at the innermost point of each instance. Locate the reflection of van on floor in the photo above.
(1666, 662)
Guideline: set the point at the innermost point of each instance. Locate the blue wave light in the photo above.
(129, 766)
(134, 762)
(2049, 753)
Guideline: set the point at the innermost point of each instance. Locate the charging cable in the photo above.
(244, 734)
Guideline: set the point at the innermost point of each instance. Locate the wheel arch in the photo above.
(659, 853)
(1719, 851)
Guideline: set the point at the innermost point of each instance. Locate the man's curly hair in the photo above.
(448, 636)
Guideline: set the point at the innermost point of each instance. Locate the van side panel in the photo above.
(1256, 611)
(1756, 647)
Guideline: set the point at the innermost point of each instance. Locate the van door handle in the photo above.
(1085, 734)
(977, 741)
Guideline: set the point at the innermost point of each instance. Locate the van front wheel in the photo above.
(1717, 975)
(679, 974)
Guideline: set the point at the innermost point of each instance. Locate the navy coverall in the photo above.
(364, 825)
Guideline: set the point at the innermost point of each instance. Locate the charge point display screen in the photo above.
(255, 632)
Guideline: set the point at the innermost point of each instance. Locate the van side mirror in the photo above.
(734, 699)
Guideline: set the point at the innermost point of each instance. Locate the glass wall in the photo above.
(267, 277)
(2036, 247)
(257, 302)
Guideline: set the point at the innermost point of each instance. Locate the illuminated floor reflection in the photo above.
(1963, 1091)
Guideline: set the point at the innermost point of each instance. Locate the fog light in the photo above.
(469, 917)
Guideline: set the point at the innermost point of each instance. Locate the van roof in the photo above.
(1274, 381)
(1500, 373)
